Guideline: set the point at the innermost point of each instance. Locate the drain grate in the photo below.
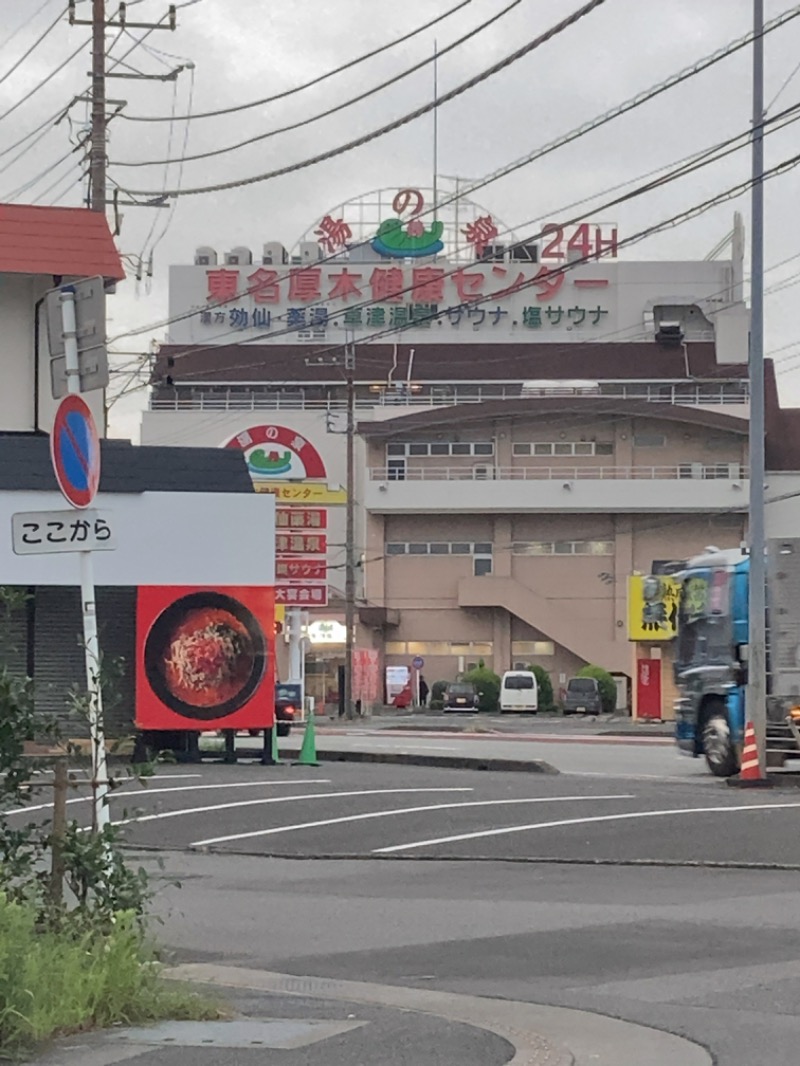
(240, 1034)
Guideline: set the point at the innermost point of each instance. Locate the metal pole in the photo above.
(757, 666)
(349, 536)
(59, 832)
(98, 152)
(435, 129)
(100, 812)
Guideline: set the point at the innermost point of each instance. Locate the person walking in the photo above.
(423, 691)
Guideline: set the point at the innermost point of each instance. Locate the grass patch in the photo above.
(73, 978)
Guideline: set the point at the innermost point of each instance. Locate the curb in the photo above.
(454, 762)
(541, 1035)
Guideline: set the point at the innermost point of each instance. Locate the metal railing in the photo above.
(668, 393)
(485, 472)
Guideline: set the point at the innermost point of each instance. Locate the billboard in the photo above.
(652, 607)
(205, 658)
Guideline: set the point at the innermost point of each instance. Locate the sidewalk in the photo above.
(312, 1021)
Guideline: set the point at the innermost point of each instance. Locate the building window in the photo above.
(649, 440)
(418, 549)
(482, 565)
(563, 448)
(563, 547)
(440, 547)
(539, 648)
(421, 449)
(437, 647)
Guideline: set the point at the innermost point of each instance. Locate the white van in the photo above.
(519, 692)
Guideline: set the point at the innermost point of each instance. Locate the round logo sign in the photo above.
(275, 453)
(75, 451)
(418, 662)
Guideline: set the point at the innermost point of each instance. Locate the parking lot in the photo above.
(379, 811)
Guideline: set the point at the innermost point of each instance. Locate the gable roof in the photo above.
(60, 241)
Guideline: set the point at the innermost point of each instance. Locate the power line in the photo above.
(397, 123)
(40, 85)
(309, 84)
(339, 107)
(24, 25)
(33, 47)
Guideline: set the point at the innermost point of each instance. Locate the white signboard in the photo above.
(431, 302)
(46, 532)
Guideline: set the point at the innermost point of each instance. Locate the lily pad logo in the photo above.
(278, 453)
(407, 236)
(269, 464)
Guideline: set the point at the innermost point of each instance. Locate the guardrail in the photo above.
(680, 472)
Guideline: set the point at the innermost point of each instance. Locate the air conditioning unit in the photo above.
(493, 253)
(238, 257)
(524, 253)
(483, 473)
(308, 252)
(205, 257)
(274, 254)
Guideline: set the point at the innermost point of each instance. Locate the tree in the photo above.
(606, 684)
(487, 682)
(545, 686)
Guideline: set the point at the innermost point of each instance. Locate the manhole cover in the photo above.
(284, 1034)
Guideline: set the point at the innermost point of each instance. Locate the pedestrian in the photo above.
(423, 691)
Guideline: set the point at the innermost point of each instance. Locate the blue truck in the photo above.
(711, 656)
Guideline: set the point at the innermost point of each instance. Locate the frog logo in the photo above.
(408, 238)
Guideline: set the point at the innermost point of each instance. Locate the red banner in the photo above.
(301, 544)
(648, 688)
(302, 595)
(204, 658)
(301, 518)
(301, 570)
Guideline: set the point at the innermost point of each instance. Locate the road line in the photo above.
(401, 810)
(631, 815)
(145, 791)
(281, 799)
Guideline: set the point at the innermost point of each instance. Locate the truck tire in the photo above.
(722, 758)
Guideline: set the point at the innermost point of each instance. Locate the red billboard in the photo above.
(205, 658)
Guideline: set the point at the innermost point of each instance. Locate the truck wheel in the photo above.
(721, 756)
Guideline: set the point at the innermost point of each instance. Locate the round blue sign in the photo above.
(75, 451)
(418, 662)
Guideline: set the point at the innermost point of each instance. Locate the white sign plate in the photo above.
(47, 532)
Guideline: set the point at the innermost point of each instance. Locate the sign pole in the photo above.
(100, 812)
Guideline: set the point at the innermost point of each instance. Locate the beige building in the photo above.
(507, 531)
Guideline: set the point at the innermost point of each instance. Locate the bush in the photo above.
(437, 690)
(606, 684)
(545, 686)
(487, 683)
(72, 978)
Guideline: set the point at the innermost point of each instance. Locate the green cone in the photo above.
(308, 751)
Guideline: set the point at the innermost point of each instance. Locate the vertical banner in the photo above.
(366, 675)
(205, 658)
(648, 688)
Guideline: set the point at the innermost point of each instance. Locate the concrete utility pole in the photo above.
(98, 156)
(757, 661)
(349, 536)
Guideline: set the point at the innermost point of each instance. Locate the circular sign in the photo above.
(418, 662)
(75, 451)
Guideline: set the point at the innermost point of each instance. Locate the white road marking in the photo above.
(146, 791)
(631, 815)
(402, 810)
(281, 799)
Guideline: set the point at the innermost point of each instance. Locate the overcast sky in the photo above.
(248, 49)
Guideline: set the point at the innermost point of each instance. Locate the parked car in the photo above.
(582, 696)
(519, 691)
(460, 696)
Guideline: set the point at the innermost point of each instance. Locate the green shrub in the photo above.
(545, 686)
(487, 683)
(73, 978)
(606, 684)
(437, 690)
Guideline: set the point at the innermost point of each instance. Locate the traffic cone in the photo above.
(308, 750)
(749, 773)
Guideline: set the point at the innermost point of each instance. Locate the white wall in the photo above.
(783, 516)
(164, 538)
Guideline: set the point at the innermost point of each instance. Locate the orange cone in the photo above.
(749, 775)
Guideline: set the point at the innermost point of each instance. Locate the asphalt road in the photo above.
(429, 883)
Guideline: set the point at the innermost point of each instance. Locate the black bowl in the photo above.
(157, 641)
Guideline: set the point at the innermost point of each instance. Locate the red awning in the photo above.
(60, 241)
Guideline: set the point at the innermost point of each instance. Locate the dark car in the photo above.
(583, 696)
(460, 696)
(287, 704)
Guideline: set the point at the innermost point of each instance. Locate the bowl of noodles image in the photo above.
(205, 655)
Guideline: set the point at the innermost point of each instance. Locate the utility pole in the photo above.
(349, 535)
(757, 657)
(98, 156)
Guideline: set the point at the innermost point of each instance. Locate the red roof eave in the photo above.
(57, 241)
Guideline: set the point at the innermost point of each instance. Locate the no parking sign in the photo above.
(75, 451)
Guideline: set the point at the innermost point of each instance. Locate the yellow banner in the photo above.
(309, 492)
(653, 607)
